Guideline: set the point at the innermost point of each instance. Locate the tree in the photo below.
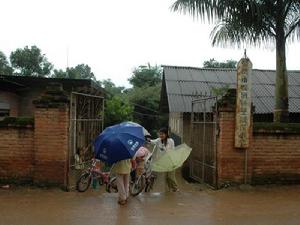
(145, 95)
(117, 111)
(145, 101)
(111, 88)
(212, 63)
(81, 71)
(146, 76)
(59, 74)
(5, 68)
(254, 22)
(30, 62)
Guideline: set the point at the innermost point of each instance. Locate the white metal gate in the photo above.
(203, 140)
(86, 122)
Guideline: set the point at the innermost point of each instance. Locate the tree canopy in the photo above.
(5, 68)
(145, 96)
(116, 111)
(30, 62)
(212, 63)
(145, 76)
(256, 22)
(81, 71)
(111, 88)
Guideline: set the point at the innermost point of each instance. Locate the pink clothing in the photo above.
(142, 152)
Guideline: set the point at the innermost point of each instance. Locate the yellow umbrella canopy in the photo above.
(172, 159)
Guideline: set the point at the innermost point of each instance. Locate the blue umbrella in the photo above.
(119, 142)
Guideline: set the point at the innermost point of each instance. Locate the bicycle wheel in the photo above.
(84, 182)
(101, 181)
(137, 186)
(111, 186)
(150, 183)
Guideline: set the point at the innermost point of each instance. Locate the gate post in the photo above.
(233, 164)
(51, 137)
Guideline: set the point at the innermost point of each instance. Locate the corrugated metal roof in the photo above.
(183, 84)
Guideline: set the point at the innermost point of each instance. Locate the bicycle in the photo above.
(93, 173)
(145, 181)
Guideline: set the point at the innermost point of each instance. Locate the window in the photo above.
(4, 110)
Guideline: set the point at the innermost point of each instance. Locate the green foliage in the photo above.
(146, 76)
(59, 74)
(277, 127)
(146, 105)
(142, 99)
(30, 62)
(81, 71)
(117, 111)
(5, 68)
(219, 92)
(111, 88)
(17, 121)
(212, 63)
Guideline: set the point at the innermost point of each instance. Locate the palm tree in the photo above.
(255, 22)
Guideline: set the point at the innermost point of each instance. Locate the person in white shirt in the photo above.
(165, 143)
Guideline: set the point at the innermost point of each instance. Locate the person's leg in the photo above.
(171, 181)
(167, 181)
(121, 189)
(126, 184)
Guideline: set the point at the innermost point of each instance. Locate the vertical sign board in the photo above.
(243, 103)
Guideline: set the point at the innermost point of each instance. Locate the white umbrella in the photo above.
(146, 133)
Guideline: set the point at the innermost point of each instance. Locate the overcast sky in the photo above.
(113, 37)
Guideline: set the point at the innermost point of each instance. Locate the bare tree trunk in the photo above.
(281, 111)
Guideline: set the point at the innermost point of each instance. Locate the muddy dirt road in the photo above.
(260, 205)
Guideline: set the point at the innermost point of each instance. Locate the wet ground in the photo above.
(192, 205)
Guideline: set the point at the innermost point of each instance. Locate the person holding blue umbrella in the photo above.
(116, 145)
(122, 170)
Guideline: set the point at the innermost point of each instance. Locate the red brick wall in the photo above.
(16, 153)
(12, 99)
(271, 157)
(230, 161)
(275, 157)
(51, 145)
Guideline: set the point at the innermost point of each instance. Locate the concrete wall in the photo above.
(13, 100)
(26, 106)
(176, 123)
(180, 124)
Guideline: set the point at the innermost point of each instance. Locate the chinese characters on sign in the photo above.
(243, 103)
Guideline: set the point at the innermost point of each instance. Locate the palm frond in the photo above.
(204, 9)
(292, 22)
(233, 34)
(251, 21)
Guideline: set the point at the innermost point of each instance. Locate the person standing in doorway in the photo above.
(165, 143)
(122, 170)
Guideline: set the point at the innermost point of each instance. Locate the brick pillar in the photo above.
(51, 137)
(232, 163)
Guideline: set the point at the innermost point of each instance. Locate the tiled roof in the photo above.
(183, 84)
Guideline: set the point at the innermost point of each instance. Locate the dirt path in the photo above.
(260, 205)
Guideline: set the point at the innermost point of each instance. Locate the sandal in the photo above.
(122, 202)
